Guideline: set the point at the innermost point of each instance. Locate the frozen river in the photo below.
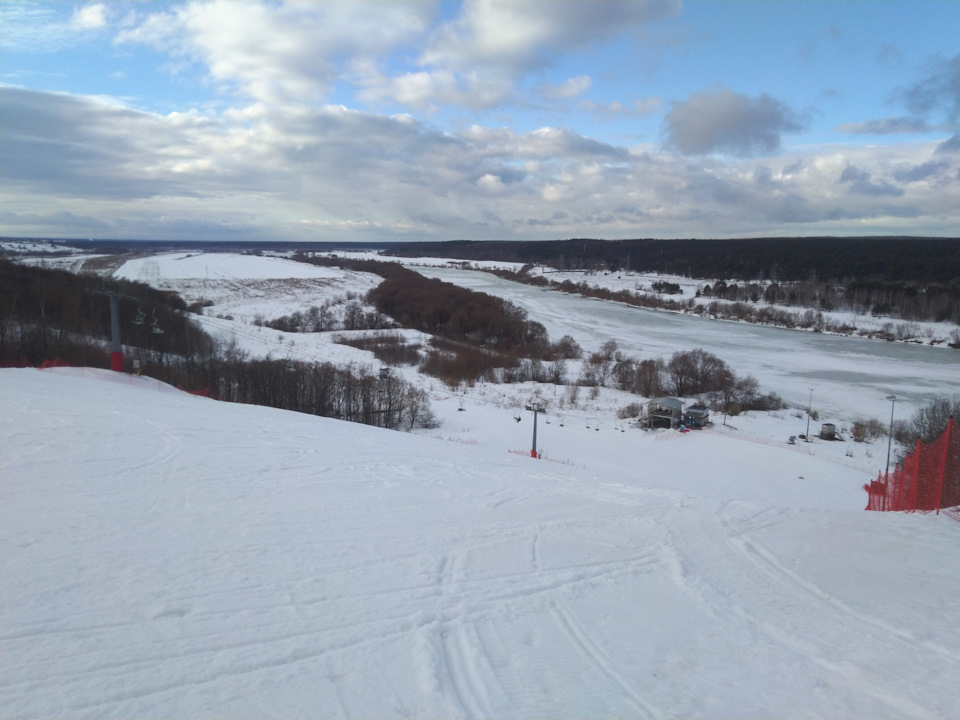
(850, 377)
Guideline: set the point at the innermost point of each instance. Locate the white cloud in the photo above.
(886, 126)
(477, 59)
(569, 88)
(269, 172)
(932, 103)
(491, 184)
(937, 93)
(45, 27)
(518, 36)
(89, 17)
(724, 121)
(297, 51)
(640, 108)
(280, 52)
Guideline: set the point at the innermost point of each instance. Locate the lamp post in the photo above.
(809, 406)
(893, 403)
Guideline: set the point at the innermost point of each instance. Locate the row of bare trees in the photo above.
(355, 394)
(46, 314)
(936, 302)
(346, 313)
(688, 373)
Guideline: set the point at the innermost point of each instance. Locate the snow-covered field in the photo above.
(163, 555)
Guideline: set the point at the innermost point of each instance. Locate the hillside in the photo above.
(165, 555)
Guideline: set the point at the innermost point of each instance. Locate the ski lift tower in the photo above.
(535, 408)
(116, 350)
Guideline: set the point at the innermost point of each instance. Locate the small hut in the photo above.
(665, 412)
(828, 431)
(696, 416)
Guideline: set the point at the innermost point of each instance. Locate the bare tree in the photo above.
(681, 369)
(624, 373)
(930, 421)
(650, 377)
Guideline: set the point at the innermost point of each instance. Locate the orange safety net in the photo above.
(928, 480)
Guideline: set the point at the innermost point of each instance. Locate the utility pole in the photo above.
(535, 408)
(893, 403)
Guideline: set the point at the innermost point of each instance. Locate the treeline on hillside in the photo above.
(355, 394)
(899, 259)
(907, 301)
(474, 334)
(47, 314)
(446, 310)
(478, 336)
(909, 305)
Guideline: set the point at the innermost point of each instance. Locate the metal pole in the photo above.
(809, 406)
(893, 402)
(116, 351)
(533, 449)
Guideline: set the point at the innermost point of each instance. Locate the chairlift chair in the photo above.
(141, 316)
(155, 325)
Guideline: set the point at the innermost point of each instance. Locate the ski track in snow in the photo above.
(496, 622)
(168, 555)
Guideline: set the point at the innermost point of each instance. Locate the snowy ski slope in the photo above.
(165, 555)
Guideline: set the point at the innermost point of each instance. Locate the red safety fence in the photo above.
(928, 480)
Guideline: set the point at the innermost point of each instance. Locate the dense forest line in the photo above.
(742, 304)
(889, 259)
(911, 279)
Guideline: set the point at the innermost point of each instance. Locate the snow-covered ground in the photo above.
(935, 333)
(165, 555)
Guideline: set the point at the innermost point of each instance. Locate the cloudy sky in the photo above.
(510, 119)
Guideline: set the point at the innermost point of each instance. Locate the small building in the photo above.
(828, 431)
(665, 412)
(696, 415)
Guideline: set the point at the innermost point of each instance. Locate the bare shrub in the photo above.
(859, 432)
(566, 348)
(557, 372)
(629, 411)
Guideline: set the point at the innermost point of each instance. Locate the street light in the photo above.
(893, 403)
(809, 406)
